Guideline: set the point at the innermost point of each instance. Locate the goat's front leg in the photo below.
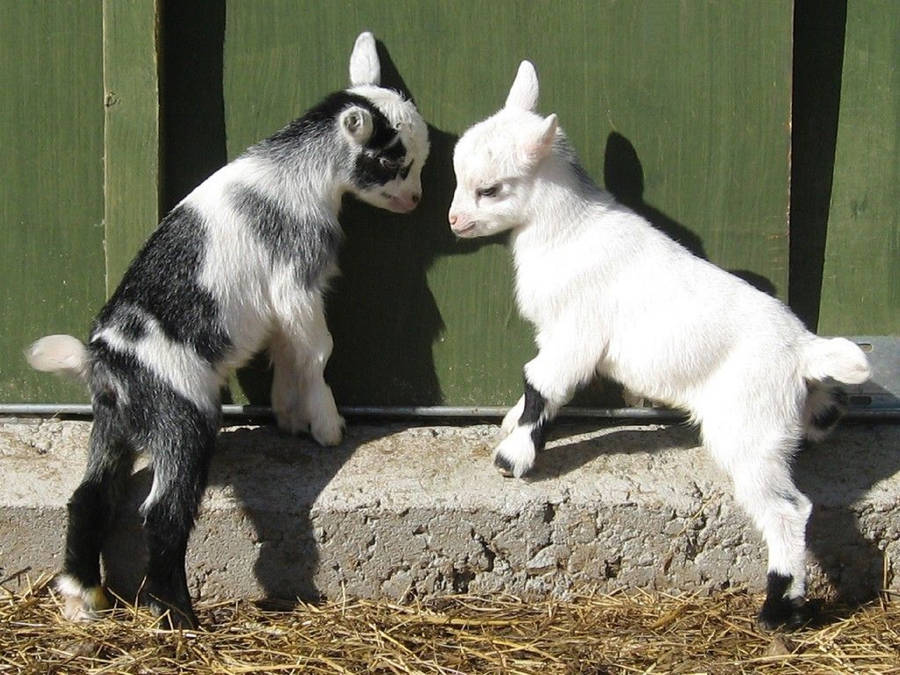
(301, 399)
(550, 380)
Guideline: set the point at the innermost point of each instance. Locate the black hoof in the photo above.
(503, 465)
(786, 613)
(172, 617)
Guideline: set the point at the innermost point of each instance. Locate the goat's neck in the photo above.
(321, 177)
(560, 204)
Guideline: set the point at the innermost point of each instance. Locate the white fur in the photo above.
(79, 603)
(364, 65)
(57, 353)
(607, 293)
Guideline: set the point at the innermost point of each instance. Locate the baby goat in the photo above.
(243, 261)
(701, 340)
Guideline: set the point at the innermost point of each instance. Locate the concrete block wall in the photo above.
(401, 511)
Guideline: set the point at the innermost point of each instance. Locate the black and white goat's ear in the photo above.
(356, 124)
(539, 142)
(365, 69)
(524, 91)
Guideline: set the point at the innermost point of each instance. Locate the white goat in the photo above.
(609, 294)
(243, 261)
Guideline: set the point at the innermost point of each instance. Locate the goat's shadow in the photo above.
(834, 474)
(380, 308)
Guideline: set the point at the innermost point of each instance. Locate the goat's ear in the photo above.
(540, 144)
(364, 65)
(356, 123)
(524, 91)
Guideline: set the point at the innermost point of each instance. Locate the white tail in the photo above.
(837, 358)
(58, 354)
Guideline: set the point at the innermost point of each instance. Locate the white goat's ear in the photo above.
(540, 144)
(364, 65)
(524, 91)
(356, 123)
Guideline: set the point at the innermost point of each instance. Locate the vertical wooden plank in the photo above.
(51, 185)
(861, 277)
(132, 142)
(682, 108)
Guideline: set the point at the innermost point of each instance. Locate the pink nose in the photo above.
(453, 219)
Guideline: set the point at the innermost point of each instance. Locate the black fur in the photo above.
(533, 413)
(503, 464)
(179, 438)
(309, 246)
(778, 610)
(162, 283)
(826, 419)
(320, 121)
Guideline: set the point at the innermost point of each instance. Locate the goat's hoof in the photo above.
(291, 422)
(330, 433)
(515, 454)
(171, 617)
(786, 613)
(80, 603)
(503, 464)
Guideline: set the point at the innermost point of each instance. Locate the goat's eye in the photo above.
(388, 163)
(490, 191)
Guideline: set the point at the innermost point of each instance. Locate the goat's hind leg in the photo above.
(181, 448)
(763, 486)
(91, 512)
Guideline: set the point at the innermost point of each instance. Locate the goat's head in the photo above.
(495, 162)
(387, 136)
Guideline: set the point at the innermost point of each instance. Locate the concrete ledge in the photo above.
(401, 511)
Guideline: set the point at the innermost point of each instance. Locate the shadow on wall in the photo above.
(834, 474)
(380, 310)
(623, 176)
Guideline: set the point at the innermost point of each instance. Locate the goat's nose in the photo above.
(414, 198)
(452, 218)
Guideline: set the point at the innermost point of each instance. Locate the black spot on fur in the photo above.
(162, 283)
(309, 246)
(533, 413)
(828, 417)
(777, 610)
(321, 119)
(383, 157)
(380, 167)
(131, 323)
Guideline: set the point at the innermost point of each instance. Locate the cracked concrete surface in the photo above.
(399, 511)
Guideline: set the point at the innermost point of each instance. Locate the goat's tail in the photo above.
(62, 354)
(837, 358)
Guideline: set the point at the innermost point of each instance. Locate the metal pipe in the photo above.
(432, 412)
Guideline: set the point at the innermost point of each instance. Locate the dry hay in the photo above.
(621, 633)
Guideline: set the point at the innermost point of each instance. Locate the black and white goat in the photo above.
(609, 294)
(243, 261)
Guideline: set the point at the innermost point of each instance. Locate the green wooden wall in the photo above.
(861, 272)
(654, 96)
(52, 275)
(683, 110)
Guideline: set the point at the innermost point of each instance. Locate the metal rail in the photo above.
(431, 412)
